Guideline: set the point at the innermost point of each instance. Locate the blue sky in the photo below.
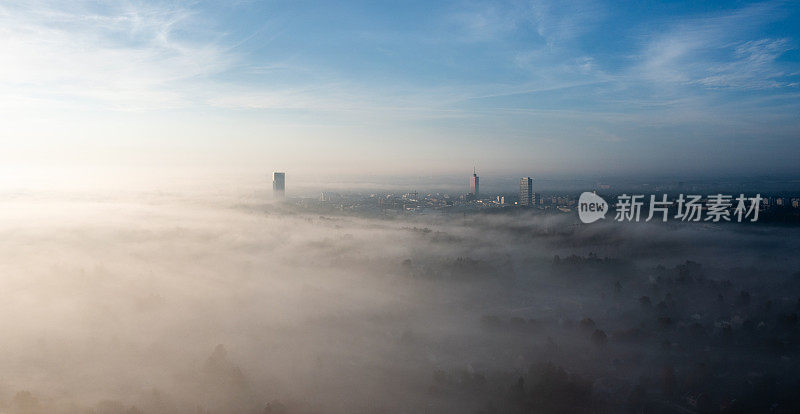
(522, 87)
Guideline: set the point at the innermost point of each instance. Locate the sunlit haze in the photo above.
(374, 207)
(413, 89)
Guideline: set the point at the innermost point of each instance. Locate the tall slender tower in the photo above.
(526, 196)
(474, 184)
(279, 185)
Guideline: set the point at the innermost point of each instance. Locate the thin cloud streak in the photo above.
(718, 51)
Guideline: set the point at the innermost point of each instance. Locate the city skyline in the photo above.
(267, 206)
(575, 89)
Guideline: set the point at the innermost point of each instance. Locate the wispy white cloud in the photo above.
(754, 66)
(554, 22)
(127, 57)
(717, 51)
(135, 57)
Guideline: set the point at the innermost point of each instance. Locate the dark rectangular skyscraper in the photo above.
(278, 185)
(526, 196)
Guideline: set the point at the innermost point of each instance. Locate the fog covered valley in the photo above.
(221, 303)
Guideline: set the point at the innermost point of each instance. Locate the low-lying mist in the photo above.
(173, 303)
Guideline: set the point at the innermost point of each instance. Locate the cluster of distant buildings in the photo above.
(418, 203)
(413, 201)
(526, 195)
(778, 201)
